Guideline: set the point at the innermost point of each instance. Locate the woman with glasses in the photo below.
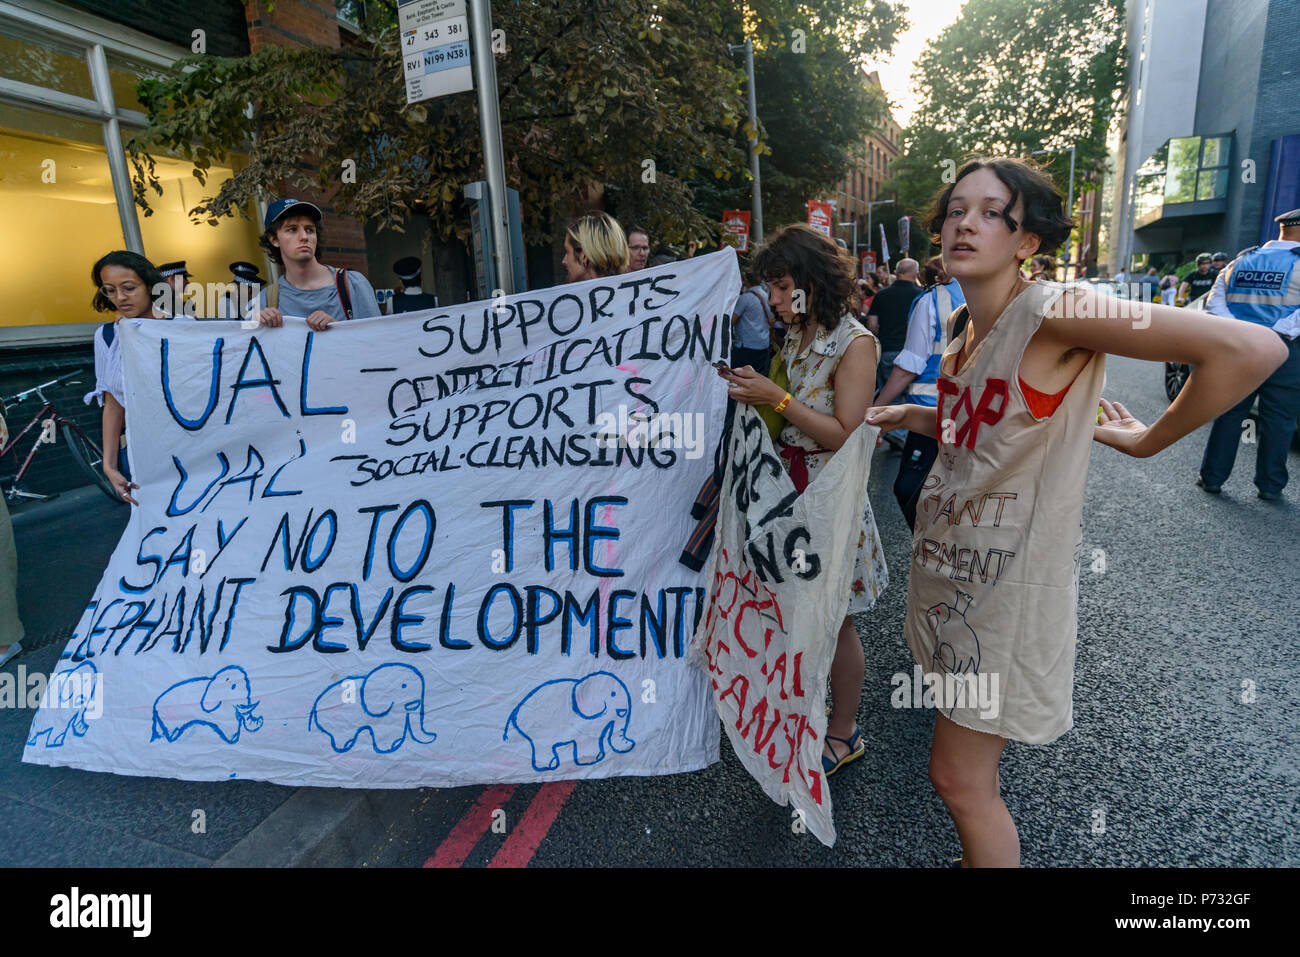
(130, 285)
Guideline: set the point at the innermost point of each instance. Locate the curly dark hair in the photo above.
(147, 271)
(815, 264)
(273, 252)
(1043, 215)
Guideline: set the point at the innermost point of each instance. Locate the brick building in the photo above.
(862, 184)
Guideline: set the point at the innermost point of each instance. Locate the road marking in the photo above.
(533, 825)
(457, 845)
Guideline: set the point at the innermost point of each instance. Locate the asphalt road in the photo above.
(1184, 750)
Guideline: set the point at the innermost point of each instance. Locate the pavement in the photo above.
(1184, 750)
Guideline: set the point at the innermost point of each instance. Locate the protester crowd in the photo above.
(819, 349)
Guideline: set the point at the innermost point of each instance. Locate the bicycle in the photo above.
(84, 450)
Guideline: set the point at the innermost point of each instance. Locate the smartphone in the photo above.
(720, 364)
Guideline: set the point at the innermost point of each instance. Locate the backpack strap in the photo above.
(341, 286)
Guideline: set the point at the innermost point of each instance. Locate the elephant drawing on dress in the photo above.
(223, 702)
(388, 702)
(69, 695)
(587, 713)
(957, 648)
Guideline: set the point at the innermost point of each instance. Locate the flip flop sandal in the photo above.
(856, 750)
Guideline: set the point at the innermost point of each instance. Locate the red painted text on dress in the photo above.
(966, 416)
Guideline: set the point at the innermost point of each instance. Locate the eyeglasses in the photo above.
(127, 289)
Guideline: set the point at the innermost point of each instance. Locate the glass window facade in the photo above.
(65, 178)
(1197, 169)
(44, 62)
(55, 181)
(1149, 183)
(1180, 172)
(1186, 169)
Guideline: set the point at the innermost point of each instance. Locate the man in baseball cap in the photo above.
(292, 239)
(290, 207)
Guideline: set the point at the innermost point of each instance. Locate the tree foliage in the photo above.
(814, 107)
(1010, 77)
(590, 90)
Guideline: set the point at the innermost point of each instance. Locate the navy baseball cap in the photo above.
(283, 207)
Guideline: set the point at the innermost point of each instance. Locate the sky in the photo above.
(928, 18)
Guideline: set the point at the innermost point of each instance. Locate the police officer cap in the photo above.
(173, 269)
(408, 267)
(1289, 219)
(246, 272)
(1204, 258)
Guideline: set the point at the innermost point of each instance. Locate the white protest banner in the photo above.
(433, 549)
(778, 590)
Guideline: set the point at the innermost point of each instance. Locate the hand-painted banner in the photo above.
(779, 587)
(432, 549)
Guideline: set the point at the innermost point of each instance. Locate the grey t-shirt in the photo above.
(751, 327)
(303, 302)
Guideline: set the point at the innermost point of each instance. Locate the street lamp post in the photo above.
(854, 224)
(485, 81)
(1069, 205)
(756, 202)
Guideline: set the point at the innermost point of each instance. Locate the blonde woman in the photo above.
(594, 246)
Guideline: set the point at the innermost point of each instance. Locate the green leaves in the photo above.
(1012, 77)
(589, 90)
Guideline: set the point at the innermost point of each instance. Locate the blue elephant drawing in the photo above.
(69, 695)
(586, 713)
(222, 702)
(388, 702)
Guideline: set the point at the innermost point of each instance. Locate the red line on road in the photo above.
(533, 825)
(456, 846)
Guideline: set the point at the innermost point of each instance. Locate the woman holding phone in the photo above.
(830, 359)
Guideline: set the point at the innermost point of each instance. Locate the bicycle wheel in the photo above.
(88, 456)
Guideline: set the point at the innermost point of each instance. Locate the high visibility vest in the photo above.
(943, 300)
(1263, 285)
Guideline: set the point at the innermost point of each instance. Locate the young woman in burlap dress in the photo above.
(993, 585)
(831, 362)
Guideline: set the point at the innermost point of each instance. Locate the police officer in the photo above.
(178, 277)
(245, 275)
(1262, 285)
(412, 298)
